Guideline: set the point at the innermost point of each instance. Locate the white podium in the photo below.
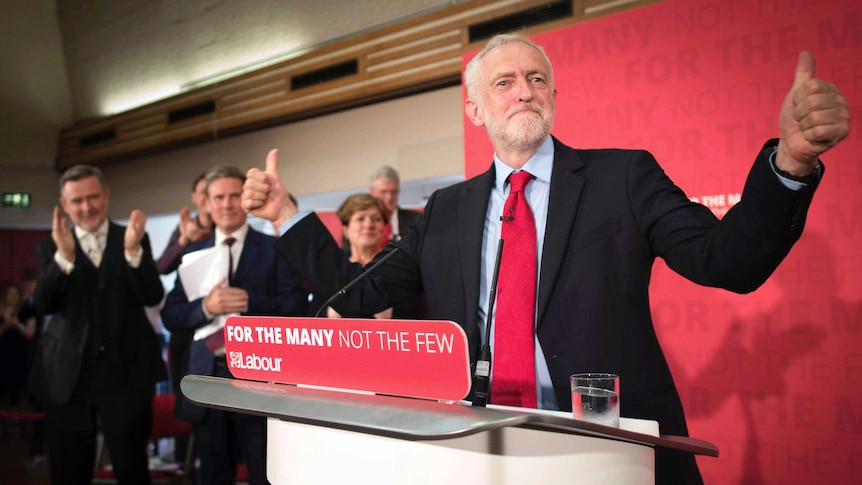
(324, 436)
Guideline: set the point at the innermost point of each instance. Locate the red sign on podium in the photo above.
(412, 358)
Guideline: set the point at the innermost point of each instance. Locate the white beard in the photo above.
(524, 133)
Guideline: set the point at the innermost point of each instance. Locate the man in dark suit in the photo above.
(601, 217)
(99, 358)
(386, 186)
(255, 282)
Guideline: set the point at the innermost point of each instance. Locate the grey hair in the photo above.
(79, 172)
(386, 173)
(221, 172)
(471, 72)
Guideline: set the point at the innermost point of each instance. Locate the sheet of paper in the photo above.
(200, 271)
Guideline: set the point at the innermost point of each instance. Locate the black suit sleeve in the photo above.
(310, 248)
(144, 280)
(53, 283)
(737, 253)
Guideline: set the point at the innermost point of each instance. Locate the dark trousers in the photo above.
(214, 437)
(178, 365)
(676, 467)
(37, 441)
(125, 420)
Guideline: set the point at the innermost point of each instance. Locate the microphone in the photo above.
(338, 294)
(483, 365)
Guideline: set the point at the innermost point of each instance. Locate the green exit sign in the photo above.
(16, 200)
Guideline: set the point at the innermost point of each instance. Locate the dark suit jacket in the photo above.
(273, 289)
(611, 213)
(406, 218)
(100, 318)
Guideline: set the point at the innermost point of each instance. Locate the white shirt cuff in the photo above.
(292, 221)
(134, 261)
(65, 265)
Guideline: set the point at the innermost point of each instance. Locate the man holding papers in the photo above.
(235, 271)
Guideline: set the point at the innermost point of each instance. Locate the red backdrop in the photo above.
(774, 378)
(18, 252)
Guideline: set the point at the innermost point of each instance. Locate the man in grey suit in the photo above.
(601, 217)
(255, 282)
(99, 359)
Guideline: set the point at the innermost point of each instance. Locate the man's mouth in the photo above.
(524, 110)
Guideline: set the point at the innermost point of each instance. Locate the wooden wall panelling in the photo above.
(405, 58)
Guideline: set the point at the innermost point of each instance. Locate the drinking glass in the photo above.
(596, 398)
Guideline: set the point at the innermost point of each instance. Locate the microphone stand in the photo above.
(483, 365)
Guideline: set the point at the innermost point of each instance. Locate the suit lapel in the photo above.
(472, 209)
(206, 243)
(250, 251)
(566, 189)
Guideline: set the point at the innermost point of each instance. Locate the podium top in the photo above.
(398, 417)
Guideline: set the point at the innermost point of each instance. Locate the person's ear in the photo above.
(471, 108)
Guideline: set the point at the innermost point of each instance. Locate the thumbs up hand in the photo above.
(814, 118)
(263, 194)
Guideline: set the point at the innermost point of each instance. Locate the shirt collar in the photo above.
(239, 234)
(101, 232)
(539, 165)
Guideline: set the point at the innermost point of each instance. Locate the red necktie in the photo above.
(514, 373)
(387, 234)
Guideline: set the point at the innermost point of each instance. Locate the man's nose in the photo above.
(524, 90)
